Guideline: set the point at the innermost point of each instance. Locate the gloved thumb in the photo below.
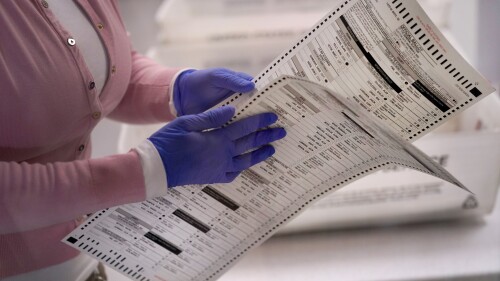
(214, 118)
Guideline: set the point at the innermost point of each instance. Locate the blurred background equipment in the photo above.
(244, 35)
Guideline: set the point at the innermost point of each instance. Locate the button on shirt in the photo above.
(85, 37)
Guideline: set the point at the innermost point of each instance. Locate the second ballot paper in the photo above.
(366, 79)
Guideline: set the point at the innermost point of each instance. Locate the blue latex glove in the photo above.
(196, 91)
(193, 155)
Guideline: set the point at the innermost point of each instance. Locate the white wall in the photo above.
(489, 39)
(463, 25)
(476, 26)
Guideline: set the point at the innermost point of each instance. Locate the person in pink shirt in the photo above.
(64, 66)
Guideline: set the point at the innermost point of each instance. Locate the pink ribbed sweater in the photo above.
(48, 108)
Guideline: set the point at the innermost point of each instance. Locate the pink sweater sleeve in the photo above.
(35, 195)
(147, 97)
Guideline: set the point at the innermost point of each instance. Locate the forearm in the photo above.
(35, 195)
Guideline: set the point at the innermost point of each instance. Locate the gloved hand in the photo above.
(193, 155)
(196, 91)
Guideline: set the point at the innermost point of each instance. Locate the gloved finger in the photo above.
(214, 118)
(244, 76)
(249, 125)
(258, 139)
(229, 80)
(230, 177)
(245, 161)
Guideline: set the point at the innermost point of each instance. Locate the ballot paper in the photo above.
(388, 57)
(367, 78)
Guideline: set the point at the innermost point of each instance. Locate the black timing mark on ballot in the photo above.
(430, 96)
(191, 220)
(163, 243)
(221, 198)
(370, 58)
(72, 240)
(475, 92)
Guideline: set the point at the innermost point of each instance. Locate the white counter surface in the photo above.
(434, 251)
